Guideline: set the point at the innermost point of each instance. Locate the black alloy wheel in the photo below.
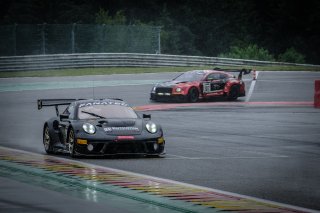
(193, 95)
(47, 140)
(72, 143)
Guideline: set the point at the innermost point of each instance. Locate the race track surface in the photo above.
(265, 145)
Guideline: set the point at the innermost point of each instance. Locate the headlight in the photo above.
(151, 127)
(89, 128)
(178, 89)
(153, 89)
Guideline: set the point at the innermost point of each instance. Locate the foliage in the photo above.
(292, 55)
(249, 52)
(199, 27)
(175, 38)
(103, 17)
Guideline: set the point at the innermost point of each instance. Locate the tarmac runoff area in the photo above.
(154, 107)
(42, 183)
(275, 156)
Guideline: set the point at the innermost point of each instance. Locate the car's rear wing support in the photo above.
(54, 102)
(241, 71)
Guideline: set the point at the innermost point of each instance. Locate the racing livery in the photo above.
(201, 84)
(100, 127)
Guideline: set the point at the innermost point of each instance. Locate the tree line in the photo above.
(282, 30)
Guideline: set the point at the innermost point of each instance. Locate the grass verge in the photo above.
(132, 70)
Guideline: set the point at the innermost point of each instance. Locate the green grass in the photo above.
(132, 70)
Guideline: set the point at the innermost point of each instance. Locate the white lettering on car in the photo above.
(102, 103)
(110, 129)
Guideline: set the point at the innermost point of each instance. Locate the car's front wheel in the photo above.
(47, 140)
(193, 95)
(72, 143)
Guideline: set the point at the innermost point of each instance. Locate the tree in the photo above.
(103, 17)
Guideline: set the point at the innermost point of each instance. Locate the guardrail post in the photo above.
(14, 39)
(103, 39)
(43, 39)
(317, 94)
(72, 38)
(159, 41)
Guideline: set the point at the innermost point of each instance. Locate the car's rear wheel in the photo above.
(47, 140)
(193, 95)
(72, 143)
(234, 93)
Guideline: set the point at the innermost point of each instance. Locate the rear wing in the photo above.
(59, 102)
(54, 102)
(241, 71)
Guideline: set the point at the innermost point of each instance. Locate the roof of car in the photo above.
(210, 71)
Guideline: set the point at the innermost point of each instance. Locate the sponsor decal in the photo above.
(102, 103)
(206, 87)
(129, 128)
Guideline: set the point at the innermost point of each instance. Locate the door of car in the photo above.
(214, 83)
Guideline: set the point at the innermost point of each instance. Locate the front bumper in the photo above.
(151, 147)
(171, 97)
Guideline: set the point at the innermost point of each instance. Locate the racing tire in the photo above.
(193, 95)
(47, 143)
(155, 156)
(234, 93)
(72, 145)
(152, 100)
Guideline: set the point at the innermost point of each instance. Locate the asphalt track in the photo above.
(265, 146)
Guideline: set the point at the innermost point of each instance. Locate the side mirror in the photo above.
(63, 117)
(146, 116)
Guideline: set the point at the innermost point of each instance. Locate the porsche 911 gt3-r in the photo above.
(100, 127)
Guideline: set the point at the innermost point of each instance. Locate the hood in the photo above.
(171, 84)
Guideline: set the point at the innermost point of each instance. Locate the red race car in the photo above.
(201, 84)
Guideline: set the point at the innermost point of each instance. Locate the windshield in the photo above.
(195, 75)
(105, 112)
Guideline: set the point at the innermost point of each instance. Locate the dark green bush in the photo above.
(292, 55)
(252, 52)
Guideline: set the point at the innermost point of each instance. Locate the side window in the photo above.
(213, 76)
(223, 76)
(70, 111)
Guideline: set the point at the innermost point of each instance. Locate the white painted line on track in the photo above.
(253, 83)
(177, 157)
(260, 153)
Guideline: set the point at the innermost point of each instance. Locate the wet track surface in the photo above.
(268, 148)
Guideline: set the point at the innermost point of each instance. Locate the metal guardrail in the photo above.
(91, 60)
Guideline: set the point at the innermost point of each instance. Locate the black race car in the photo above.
(100, 127)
